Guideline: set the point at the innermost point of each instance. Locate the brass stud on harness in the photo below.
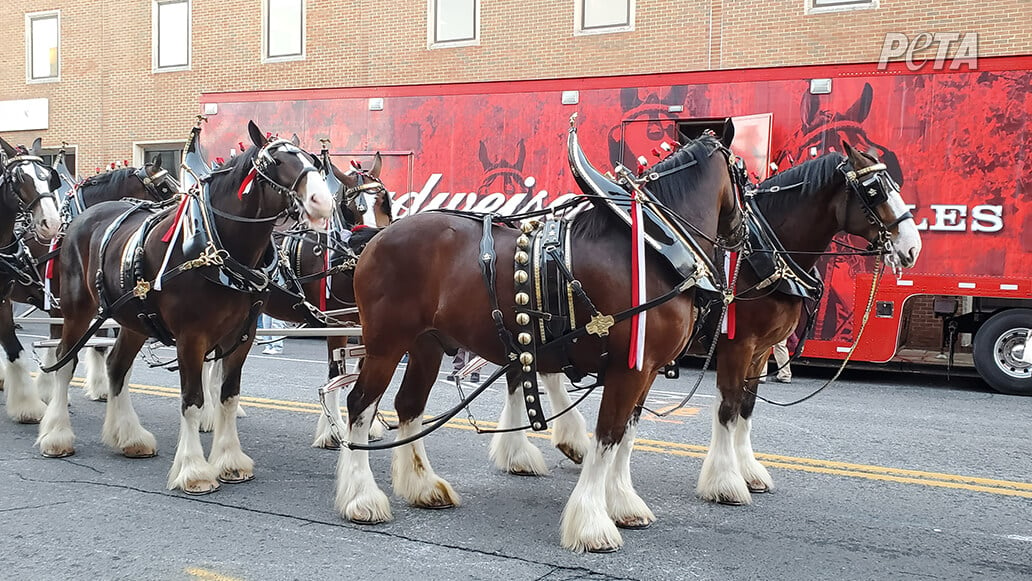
(537, 425)
(524, 338)
(526, 358)
(532, 412)
(527, 385)
(530, 399)
(528, 227)
(523, 242)
(522, 319)
(522, 298)
(526, 369)
(520, 276)
(522, 257)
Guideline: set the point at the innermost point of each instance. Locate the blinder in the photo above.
(872, 186)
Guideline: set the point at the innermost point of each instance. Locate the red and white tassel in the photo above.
(637, 349)
(246, 185)
(170, 237)
(727, 325)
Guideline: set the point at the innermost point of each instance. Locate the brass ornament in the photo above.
(142, 288)
(599, 325)
(523, 242)
(528, 227)
(526, 358)
(530, 399)
(520, 276)
(522, 298)
(522, 319)
(526, 369)
(522, 257)
(524, 338)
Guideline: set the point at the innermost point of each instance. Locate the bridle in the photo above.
(157, 185)
(355, 194)
(53, 181)
(872, 186)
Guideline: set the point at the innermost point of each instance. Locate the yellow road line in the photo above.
(832, 467)
(209, 575)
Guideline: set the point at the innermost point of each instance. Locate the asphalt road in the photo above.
(881, 476)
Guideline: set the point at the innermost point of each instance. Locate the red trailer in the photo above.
(956, 140)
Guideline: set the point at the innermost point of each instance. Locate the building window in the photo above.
(49, 155)
(454, 23)
(171, 35)
(171, 155)
(825, 6)
(283, 30)
(602, 16)
(43, 42)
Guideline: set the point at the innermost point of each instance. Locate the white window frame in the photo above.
(578, 19)
(140, 146)
(265, 36)
(29, 18)
(154, 37)
(431, 28)
(69, 150)
(832, 6)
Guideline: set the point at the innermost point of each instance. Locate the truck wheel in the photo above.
(999, 345)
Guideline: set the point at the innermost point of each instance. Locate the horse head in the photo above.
(821, 130)
(291, 172)
(156, 180)
(877, 211)
(501, 175)
(365, 201)
(28, 189)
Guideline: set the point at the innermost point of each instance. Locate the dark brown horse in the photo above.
(27, 206)
(420, 290)
(322, 261)
(805, 206)
(200, 286)
(150, 182)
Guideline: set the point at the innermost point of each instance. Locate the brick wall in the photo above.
(108, 97)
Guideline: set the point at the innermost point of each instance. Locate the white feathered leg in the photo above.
(721, 477)
(413, 477)
(23, 403)
(228, 458)
(512, 451)
(324, 429)
(96, 387)
(358, 498)
(46, 382)
(757, 479)
(122, 429)
(586, 525)
(625, 506)
(190, 472)
(211, 382)
(569, 431)
(56, 439)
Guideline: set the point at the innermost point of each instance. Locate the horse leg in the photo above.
(45, 381)
(211, 380)
(512, 451)
(324, 437)
(23, 404)
(228, 458)
(757, 479)
(625, 507)
(357, 497)
(122, 429)
(190, 472)
(96, 387)
(413, 477)
(721, 478)
(586, 524)
(569, 431)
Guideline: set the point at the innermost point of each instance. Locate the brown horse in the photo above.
(150, 182)
(26, 197)
(805, 206)
(420, 289)
(205, 302)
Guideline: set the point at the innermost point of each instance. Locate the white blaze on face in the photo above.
(907, 241)
(369, 216)
(315, 196)
(45, 217)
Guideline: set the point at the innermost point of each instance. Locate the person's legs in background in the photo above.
(276, 347)
(781, 358)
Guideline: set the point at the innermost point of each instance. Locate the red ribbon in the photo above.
(179, 216)
(245, 186)
(50, 263)
(731, 307)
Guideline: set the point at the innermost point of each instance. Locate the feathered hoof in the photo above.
(236, 476)
(730, 501)
(58, 452)
(367, 516)
(29, 420)
(441, 497)
(139, 451)
(572, 453)
(639, 523)
(757, 487)
(200, 487)
(326, 442)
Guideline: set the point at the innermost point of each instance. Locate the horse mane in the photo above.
(593, 223)
(113, 179)
(232, 173)
(813, 174)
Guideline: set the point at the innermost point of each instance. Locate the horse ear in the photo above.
(485, 160)
(521, 155)
(257, 137)
(848, 150)
(156, 163)
(377, 166)
(862, 107)
(37, 146)
(295, 140)
(8, 150)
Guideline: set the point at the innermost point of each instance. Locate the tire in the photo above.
(999, 344)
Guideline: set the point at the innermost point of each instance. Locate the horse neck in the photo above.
(245, 241)
(811, 222)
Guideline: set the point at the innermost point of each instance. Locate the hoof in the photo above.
(729, 501)
(236, 476)
(518, 472)
(28, 421)
(139, 452)
(577, 458)
(441, 506)
(367, 523)
(636, 524)
(59, 453)
(200, 487)
(758, 487)
(603, 549)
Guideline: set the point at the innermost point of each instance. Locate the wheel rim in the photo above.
(1008, 350)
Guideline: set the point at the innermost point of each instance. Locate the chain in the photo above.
(462, 397)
